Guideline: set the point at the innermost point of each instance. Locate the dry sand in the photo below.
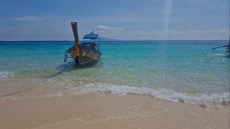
(106, 111)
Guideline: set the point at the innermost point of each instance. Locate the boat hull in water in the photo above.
(88, 55)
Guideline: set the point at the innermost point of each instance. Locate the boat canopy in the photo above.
(91, 36)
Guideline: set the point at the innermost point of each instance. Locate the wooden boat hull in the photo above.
(87, 55)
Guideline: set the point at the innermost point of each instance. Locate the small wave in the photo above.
(6, 74)
(202, 99)
(219, 54)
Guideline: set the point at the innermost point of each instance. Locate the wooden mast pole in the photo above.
(76, 51)
(75, 32)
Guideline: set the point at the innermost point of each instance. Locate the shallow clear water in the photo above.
(189, 67)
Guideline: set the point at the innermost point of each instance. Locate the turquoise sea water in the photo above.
(164, 69)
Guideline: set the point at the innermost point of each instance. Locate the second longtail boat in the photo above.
(227, 50)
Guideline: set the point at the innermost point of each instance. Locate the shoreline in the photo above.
(26, 88)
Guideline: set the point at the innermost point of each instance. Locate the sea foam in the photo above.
(202, 99)
(4, 74)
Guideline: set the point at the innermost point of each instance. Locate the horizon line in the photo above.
(117, 40)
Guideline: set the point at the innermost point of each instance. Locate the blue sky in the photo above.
(117, 19)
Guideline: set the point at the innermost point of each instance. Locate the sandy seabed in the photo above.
(97, 110)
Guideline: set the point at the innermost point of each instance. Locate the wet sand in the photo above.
(103, 111)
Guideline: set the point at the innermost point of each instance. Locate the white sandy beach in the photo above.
(28, 109)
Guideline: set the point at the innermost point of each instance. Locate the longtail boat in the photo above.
(86, 52)
(227, 50)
